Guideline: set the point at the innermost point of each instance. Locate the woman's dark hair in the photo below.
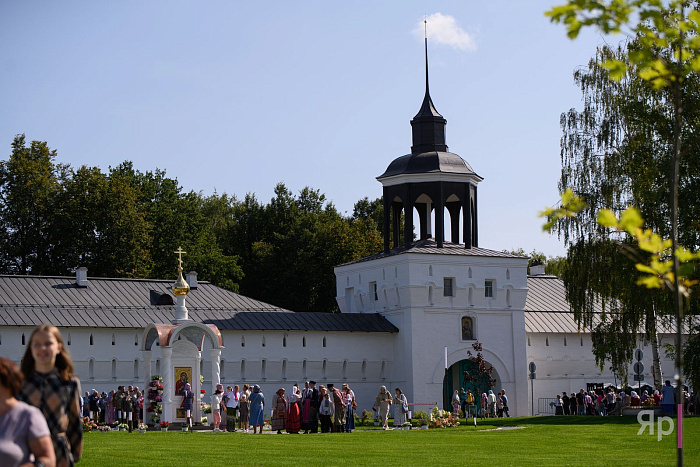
(64, 364)
(10, 376)
(398, 390)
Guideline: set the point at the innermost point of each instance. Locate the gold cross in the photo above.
(179, 256)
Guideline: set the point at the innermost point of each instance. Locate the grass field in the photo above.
(544, 441)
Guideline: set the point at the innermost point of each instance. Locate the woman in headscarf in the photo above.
(187, 400)
(484, 405)
(110, 407)
(244, 408)
(350, 406)
(400, 408)
(293, 423)
(279, 411)
(51, 386)
(257, 405)
(455, 404)
(382, 403)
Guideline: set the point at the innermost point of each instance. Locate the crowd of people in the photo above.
(123, 405)
(489, 405)
(611, 402)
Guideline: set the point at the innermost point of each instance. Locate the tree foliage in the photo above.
(633, 144)
(126, 223)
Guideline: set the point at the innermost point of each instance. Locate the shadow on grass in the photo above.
(562, 420)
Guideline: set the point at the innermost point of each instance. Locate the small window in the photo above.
(242, 341)
(263, 365)
(284, 370)
(363, 371)
(324, 341)
(284, 341)
(113, 340)
(263, 341)
(69, 339)
(381, 371)
(303, 369)
(114, 369)
(469, 273)
(91, 341)
(91, 369)
(373, 292)
(136, 370)
(303, 341)
(242, 370)
(345, 368)
(508, 274)
(448, 290)
(581, 341)
(158, 366)
(23, 339)
(546, 341)
(564, 341)
(222, 369)
(136, 339)
(488, 289)
(323, 369)
(528, 341)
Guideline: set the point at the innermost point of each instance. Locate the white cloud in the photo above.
(443, 29)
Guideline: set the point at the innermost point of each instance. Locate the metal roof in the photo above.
(62, 292)
(129, 303)
(547, 311)
(429, 247)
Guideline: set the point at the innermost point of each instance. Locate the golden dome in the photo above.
(180, 287)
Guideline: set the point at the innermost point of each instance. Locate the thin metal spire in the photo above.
(427, 86)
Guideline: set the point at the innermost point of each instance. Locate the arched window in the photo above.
(113, 340)
(345, 369)
(136, 339)
(381, 372)
(23, 339)
(546, 341)
(323, 369)
(467, 328)
(69, 339)
(508, 274)
(91, 341)
(469, 273)
(324, 341)
(91, 369)
(242, 341)
(470, 297)
(158, 366)
(303, 341)
(564, 341)
(136, 369)
(263, 341)
(284, 341)
(114, 368)
(284, 370)
(363, 371)
(263, 366)
(242, 370)
(303, 369)
(430, 271)
(508, 298)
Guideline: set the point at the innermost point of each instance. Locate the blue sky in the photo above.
(237, 96)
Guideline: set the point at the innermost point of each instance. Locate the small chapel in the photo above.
(411, 315)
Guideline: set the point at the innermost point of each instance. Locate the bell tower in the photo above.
(429, 179)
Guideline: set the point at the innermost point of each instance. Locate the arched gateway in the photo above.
(455, 379)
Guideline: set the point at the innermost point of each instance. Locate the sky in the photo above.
(235, 97)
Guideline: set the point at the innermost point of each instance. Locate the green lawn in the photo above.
(544, 441)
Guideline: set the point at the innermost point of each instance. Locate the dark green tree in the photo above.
(29, 181)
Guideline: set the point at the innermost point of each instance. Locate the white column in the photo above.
(196, 386)
(147, 360)
(168, 385)
(429, 224)
(215, 378)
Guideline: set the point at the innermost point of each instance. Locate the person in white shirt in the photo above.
(232, 398)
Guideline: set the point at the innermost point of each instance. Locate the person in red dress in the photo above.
(293, 415)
